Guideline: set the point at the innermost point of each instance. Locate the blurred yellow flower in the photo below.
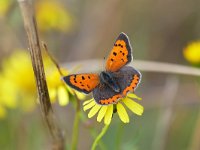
(2, 112)
(106, 111)
(51, 15)
(4, 6)
(57, 88)
(192, 52)
(18, 84)
(2, 102)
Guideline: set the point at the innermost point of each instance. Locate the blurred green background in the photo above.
(159, 30)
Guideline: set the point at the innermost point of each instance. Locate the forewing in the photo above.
(82, 82)
(120, 55)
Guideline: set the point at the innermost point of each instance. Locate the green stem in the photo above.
(103, 131)
(92, 130)
(76, 126)
(94, 134)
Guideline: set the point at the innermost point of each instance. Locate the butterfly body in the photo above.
(113, 83)
(108, 79)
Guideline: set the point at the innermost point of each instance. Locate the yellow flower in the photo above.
(4, 6)
(3, 102)
(192, 52)
(18, 82)
(57, 88)
(106, 111)
(51, 15)
(2, 112)
(18, 87)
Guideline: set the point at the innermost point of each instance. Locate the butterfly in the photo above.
(117, 79)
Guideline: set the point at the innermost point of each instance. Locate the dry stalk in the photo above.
(38, 68)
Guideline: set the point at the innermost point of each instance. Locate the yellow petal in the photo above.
(2, 112)
(52, 94)
(9, 93)
(63, 96)
(108, 115)
(89, 105)
(132, 95)
(4, 7)
(122, 113)
(64, 71)
(80, 95)
(70, 90)
(133, 106)
(94, 110)
(192, 52)
(102, 113)
(52, 15)
(88, 101)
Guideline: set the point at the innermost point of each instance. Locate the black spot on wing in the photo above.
(125, 38)
(114, 53)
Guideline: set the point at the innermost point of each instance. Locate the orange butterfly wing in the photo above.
(120, 55)
(82, 82)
